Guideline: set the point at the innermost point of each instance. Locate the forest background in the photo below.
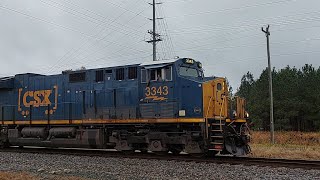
(296, 95)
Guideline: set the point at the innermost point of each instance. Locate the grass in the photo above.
(29, 176)
(16, 176)
(288, 145)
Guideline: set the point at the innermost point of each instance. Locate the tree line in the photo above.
(296, 95)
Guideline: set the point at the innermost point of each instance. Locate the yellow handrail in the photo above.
(221, 111)
(206, 118)
(208, 107)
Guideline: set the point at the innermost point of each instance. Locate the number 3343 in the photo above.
(152, 91)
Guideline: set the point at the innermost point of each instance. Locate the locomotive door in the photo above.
(78, 102)
(157, 101)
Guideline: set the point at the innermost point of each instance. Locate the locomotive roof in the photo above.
(149, 63)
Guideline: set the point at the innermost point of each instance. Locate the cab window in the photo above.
(188, 71)
(156, 75)
(143, 76)
(159, 74)
(201, 73)
(168, 73)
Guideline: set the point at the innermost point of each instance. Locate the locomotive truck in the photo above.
(157, 106)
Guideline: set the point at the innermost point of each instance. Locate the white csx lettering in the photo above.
(37, 98)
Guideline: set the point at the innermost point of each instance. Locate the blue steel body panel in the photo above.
(53, 97)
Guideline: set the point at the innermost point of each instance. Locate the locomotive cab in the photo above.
(167, 86)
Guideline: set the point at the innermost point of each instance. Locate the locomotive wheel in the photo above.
(212, 153)
(198, 155)
(2, 145)
(144, 151)
(128, 152)
(161, 153)
(175, 151)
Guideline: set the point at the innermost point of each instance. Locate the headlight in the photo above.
(246, 115)
(234, 113)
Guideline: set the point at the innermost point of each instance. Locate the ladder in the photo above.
(215, 126)
(216, 138)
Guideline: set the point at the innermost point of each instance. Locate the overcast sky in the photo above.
(48, 36)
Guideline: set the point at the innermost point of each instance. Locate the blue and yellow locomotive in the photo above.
(158, 106)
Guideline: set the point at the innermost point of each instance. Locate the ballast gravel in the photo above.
(47, 166)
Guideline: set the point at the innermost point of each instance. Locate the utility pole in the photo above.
(155, 36)
(267, 33)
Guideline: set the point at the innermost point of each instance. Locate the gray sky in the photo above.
(48, 36)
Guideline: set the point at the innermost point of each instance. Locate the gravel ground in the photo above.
(48, 166)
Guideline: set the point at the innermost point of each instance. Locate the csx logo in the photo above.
(37, 99)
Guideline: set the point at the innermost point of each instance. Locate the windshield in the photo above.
(187, 71)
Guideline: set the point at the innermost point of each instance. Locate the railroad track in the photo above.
(303, 164)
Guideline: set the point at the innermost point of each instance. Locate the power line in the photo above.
(44, 21)
(243, 30)
(86, 16)
(262, 58)
(112, 42)
(237, 8)
(128, 10)
(73, 51)
(168, 39)
(249, 24)
(164, 43)
(48, 22)
(114, 55)
(80, 15)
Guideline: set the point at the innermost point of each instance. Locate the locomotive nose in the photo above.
(215, 98)
(225, 134)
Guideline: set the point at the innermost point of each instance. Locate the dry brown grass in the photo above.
(28, 176)
(16, 176)
(289, 145)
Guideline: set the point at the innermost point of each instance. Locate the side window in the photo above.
(109, 71)
(153, 75)
(132, 73)
(109, 75)
(143, 75)
(120, 74)
(77, 77)
(168, 73)
(99, 76)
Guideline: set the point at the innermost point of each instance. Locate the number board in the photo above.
(156, 93)
(189, 61)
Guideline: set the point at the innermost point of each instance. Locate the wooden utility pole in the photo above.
(155, 36)
(267, 33)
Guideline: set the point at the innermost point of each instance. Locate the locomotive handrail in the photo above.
(206, 118)
(2, 114)
(223, 101)
(208, 107)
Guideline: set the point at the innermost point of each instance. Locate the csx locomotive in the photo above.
(158, 106)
